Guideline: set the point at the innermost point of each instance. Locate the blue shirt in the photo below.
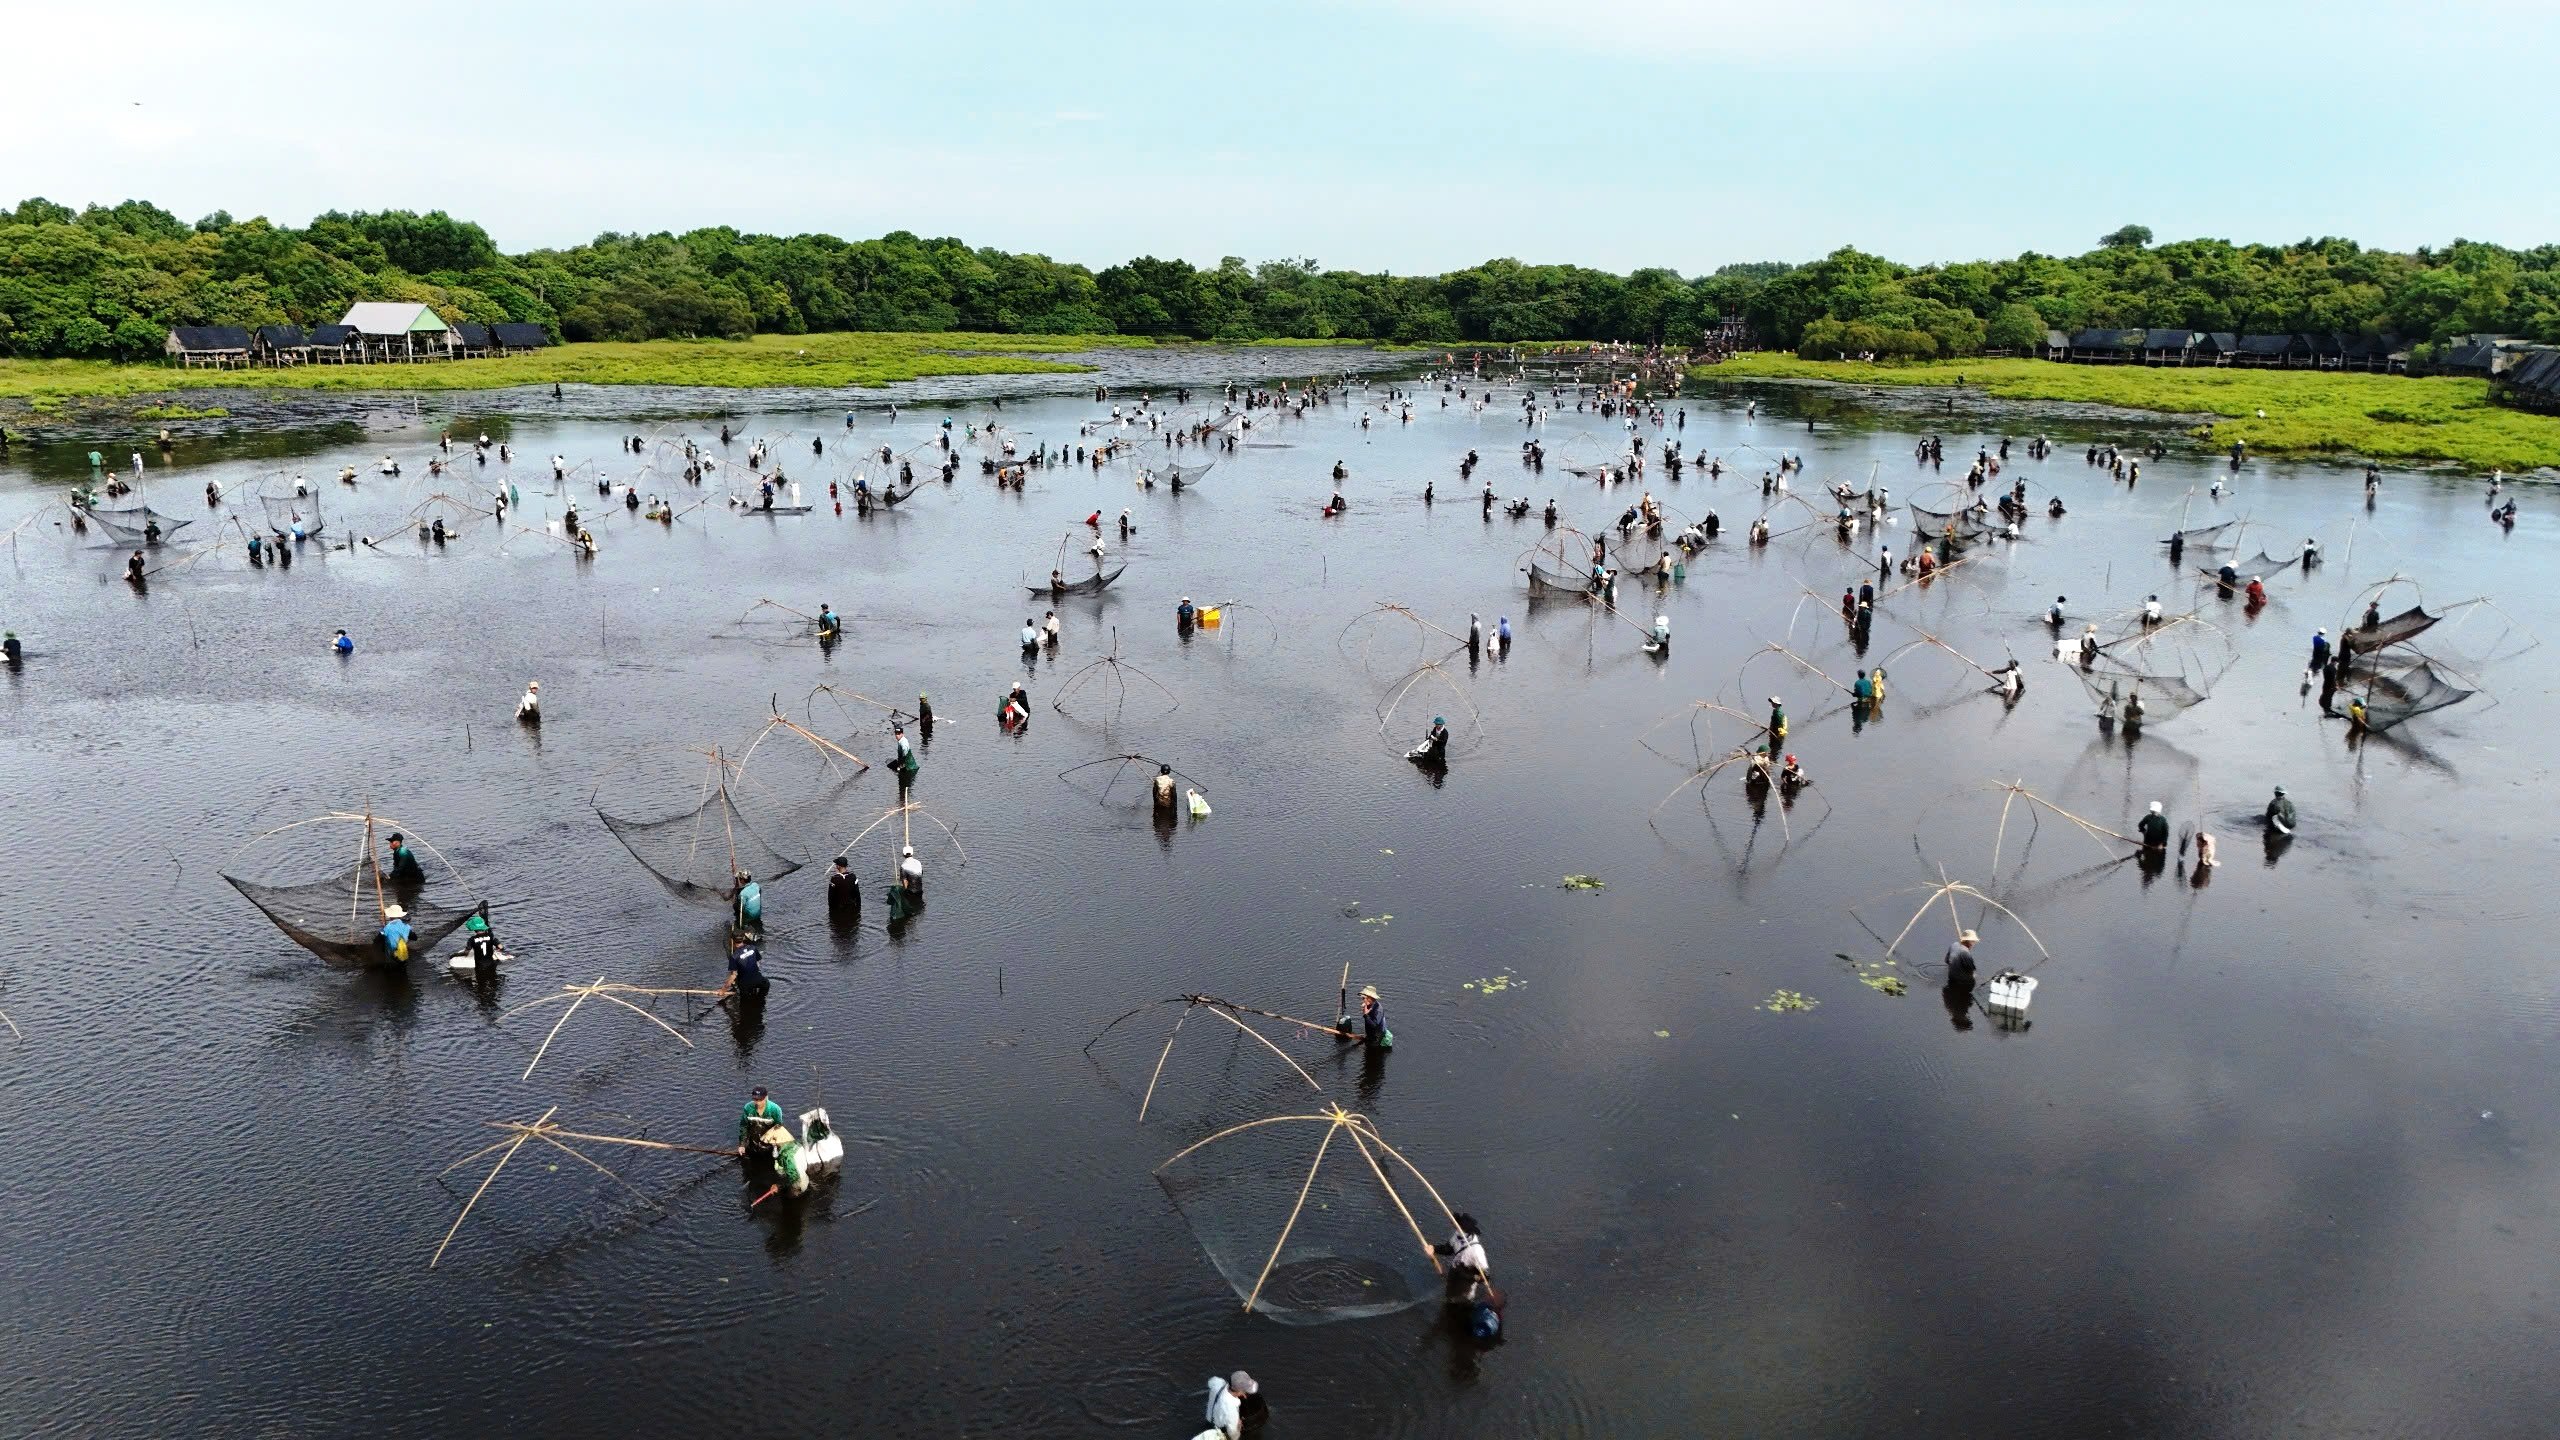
(742, 963)
(344, 645)
(394, 933)
(751, 901)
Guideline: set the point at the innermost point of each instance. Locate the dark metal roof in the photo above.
(2324, 345)
(2106, 339)
(2168, 339)
(2537, 375)
(2277, 345)
(333, 334)
(282, 337)
(2223, 340)
(516, 335)
(473, 334)
(210, 337)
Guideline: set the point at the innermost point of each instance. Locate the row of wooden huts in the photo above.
(2297, 351)
(372, 332)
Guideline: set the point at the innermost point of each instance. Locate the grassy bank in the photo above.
(817, 361)
(2382, 417)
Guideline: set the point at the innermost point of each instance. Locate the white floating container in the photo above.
(821, 1148)
(2009, 993)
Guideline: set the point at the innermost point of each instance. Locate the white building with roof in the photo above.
(399, 330)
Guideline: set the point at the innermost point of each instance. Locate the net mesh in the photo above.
(287, 513)
(1085, 586)
(2109, 683)
(132, 526)
(697, 853)
(1547, 582)
(2415, 691)
(2407, 625)
(1348, 1252)
(2263, 566)
(1940, 524)
(1188, 473)
(339, 917)
(2202, 537)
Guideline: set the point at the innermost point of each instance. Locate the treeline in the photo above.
(108, 281)
(1851, 302)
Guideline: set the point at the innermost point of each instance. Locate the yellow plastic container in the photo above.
(1209, 617)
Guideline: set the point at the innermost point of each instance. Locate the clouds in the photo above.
(1413, 136)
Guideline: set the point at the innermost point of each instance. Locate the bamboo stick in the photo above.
(1283, 1242)
(632, 1141)
(1389, 1187)
(483, 1190)
(1372, 1127)
(1238, 1130)
(1266, 1041)
(555, 1030)
(1163, 1056)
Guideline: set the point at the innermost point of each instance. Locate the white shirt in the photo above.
(1470, 1252)
(1030, 636)
(912, 868)
(1226, 1412)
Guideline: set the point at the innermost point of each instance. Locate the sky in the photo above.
(1405, 135)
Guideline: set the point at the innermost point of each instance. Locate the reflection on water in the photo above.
(2236, 1177)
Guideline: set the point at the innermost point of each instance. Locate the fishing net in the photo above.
(2415, 691)
(338, 918)
(2263, 566)
(1188, 474)
(2109, 682)
(696, 826)
(1547, 583)
(289, 513)
(1960, 525)
(768, 623)
(1190, 1069)
(132, 526)
(2202, 537)
(1303, 1237)
(2393, 630)
(1086, 586)
(301, 879)
(697, 853)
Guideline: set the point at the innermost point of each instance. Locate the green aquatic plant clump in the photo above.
(2380, 417)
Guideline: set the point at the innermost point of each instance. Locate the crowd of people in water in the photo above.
(1173, 448)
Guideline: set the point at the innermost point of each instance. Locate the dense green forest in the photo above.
(108, 281)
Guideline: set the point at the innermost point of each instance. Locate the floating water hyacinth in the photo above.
(1585, 882)
(1786, 1000)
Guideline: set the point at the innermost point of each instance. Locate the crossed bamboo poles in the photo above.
(1364, 1134)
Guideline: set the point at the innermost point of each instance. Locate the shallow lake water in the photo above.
(2274, 1155)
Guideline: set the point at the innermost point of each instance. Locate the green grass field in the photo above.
(2380, 417)
(816, 361)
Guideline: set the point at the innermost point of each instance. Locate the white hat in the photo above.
(533, 684)
(2155, 807)
(393, 912)
(910, 849)
(1241, 1383)
(1967, 938)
